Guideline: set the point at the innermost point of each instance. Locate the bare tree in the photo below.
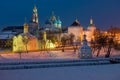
(71, 38)
(112, 31)
(63, 41)
(25, 41)
(105, 41)
(110, 45)
(8, 43)
(20, 52)
(99, 41)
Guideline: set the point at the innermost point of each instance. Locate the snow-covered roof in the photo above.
(7, 35)
(28, 35)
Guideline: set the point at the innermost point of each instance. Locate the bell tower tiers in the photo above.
(35, 15)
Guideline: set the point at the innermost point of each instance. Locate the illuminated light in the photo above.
(56, 44)
(83, 55)
(19, 45)
(25, 28)
(44, 36)
(52, 45)
(49, 44)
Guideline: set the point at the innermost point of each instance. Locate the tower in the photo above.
(91, 29)
(91, 25)
(34, 23)
(91, 21)
(35, 15)
(25, 28)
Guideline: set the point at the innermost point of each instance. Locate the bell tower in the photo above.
(35, 15)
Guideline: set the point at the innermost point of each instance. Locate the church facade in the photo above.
(79, 30)
(25, 41)
(53, 26)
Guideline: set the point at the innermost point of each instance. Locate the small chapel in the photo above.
(85, 51)
(25, 41)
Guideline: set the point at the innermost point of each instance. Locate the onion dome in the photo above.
(59, 21)
(55, 22)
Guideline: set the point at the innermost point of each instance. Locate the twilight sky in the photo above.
(104, 12)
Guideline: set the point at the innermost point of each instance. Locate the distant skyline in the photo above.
(104, 12)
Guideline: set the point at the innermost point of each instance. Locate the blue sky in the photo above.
(104, 12)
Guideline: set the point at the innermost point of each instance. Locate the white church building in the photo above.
(78, 30)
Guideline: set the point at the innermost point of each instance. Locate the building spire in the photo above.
(35, 9)
(35, 15)
(91, 20)
(84, 39)
(53, 17)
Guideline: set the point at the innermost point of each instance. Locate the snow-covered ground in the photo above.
(44, 55)
(98, 72)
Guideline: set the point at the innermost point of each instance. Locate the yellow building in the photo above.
(25, 41)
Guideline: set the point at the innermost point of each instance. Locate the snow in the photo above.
(46, 55)
(7, 35)
(42, 55)
(94, 72)
(98, 72)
